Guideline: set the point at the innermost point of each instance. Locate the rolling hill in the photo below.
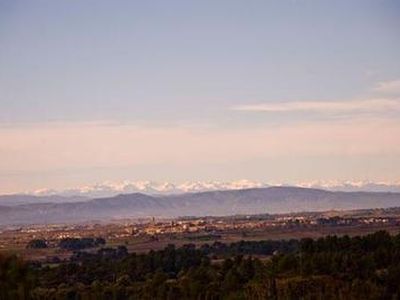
(248, 201)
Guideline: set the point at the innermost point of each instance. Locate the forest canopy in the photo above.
(361, 267)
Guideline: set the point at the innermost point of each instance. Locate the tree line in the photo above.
(68, 243)
(362, 267)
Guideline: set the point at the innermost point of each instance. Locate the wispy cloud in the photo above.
(388, 87)
(351, 106)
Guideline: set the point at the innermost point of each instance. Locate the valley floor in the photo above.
(150, 234)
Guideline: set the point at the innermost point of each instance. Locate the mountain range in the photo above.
(111, 188)
(229, 202)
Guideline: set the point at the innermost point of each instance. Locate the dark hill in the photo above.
(250, 201)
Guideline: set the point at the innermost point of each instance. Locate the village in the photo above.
(152, 233)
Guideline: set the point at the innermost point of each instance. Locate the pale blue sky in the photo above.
(206, 67)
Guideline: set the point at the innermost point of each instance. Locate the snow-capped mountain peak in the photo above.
(110, 188)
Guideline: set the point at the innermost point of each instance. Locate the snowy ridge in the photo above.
(109, 188)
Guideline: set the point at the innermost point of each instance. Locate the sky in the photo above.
(275, 91)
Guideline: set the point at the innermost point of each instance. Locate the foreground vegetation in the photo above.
(333, 267)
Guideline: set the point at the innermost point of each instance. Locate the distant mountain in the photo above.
(354, 186)
(109, 189)
(248, 201)
(18, 199)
